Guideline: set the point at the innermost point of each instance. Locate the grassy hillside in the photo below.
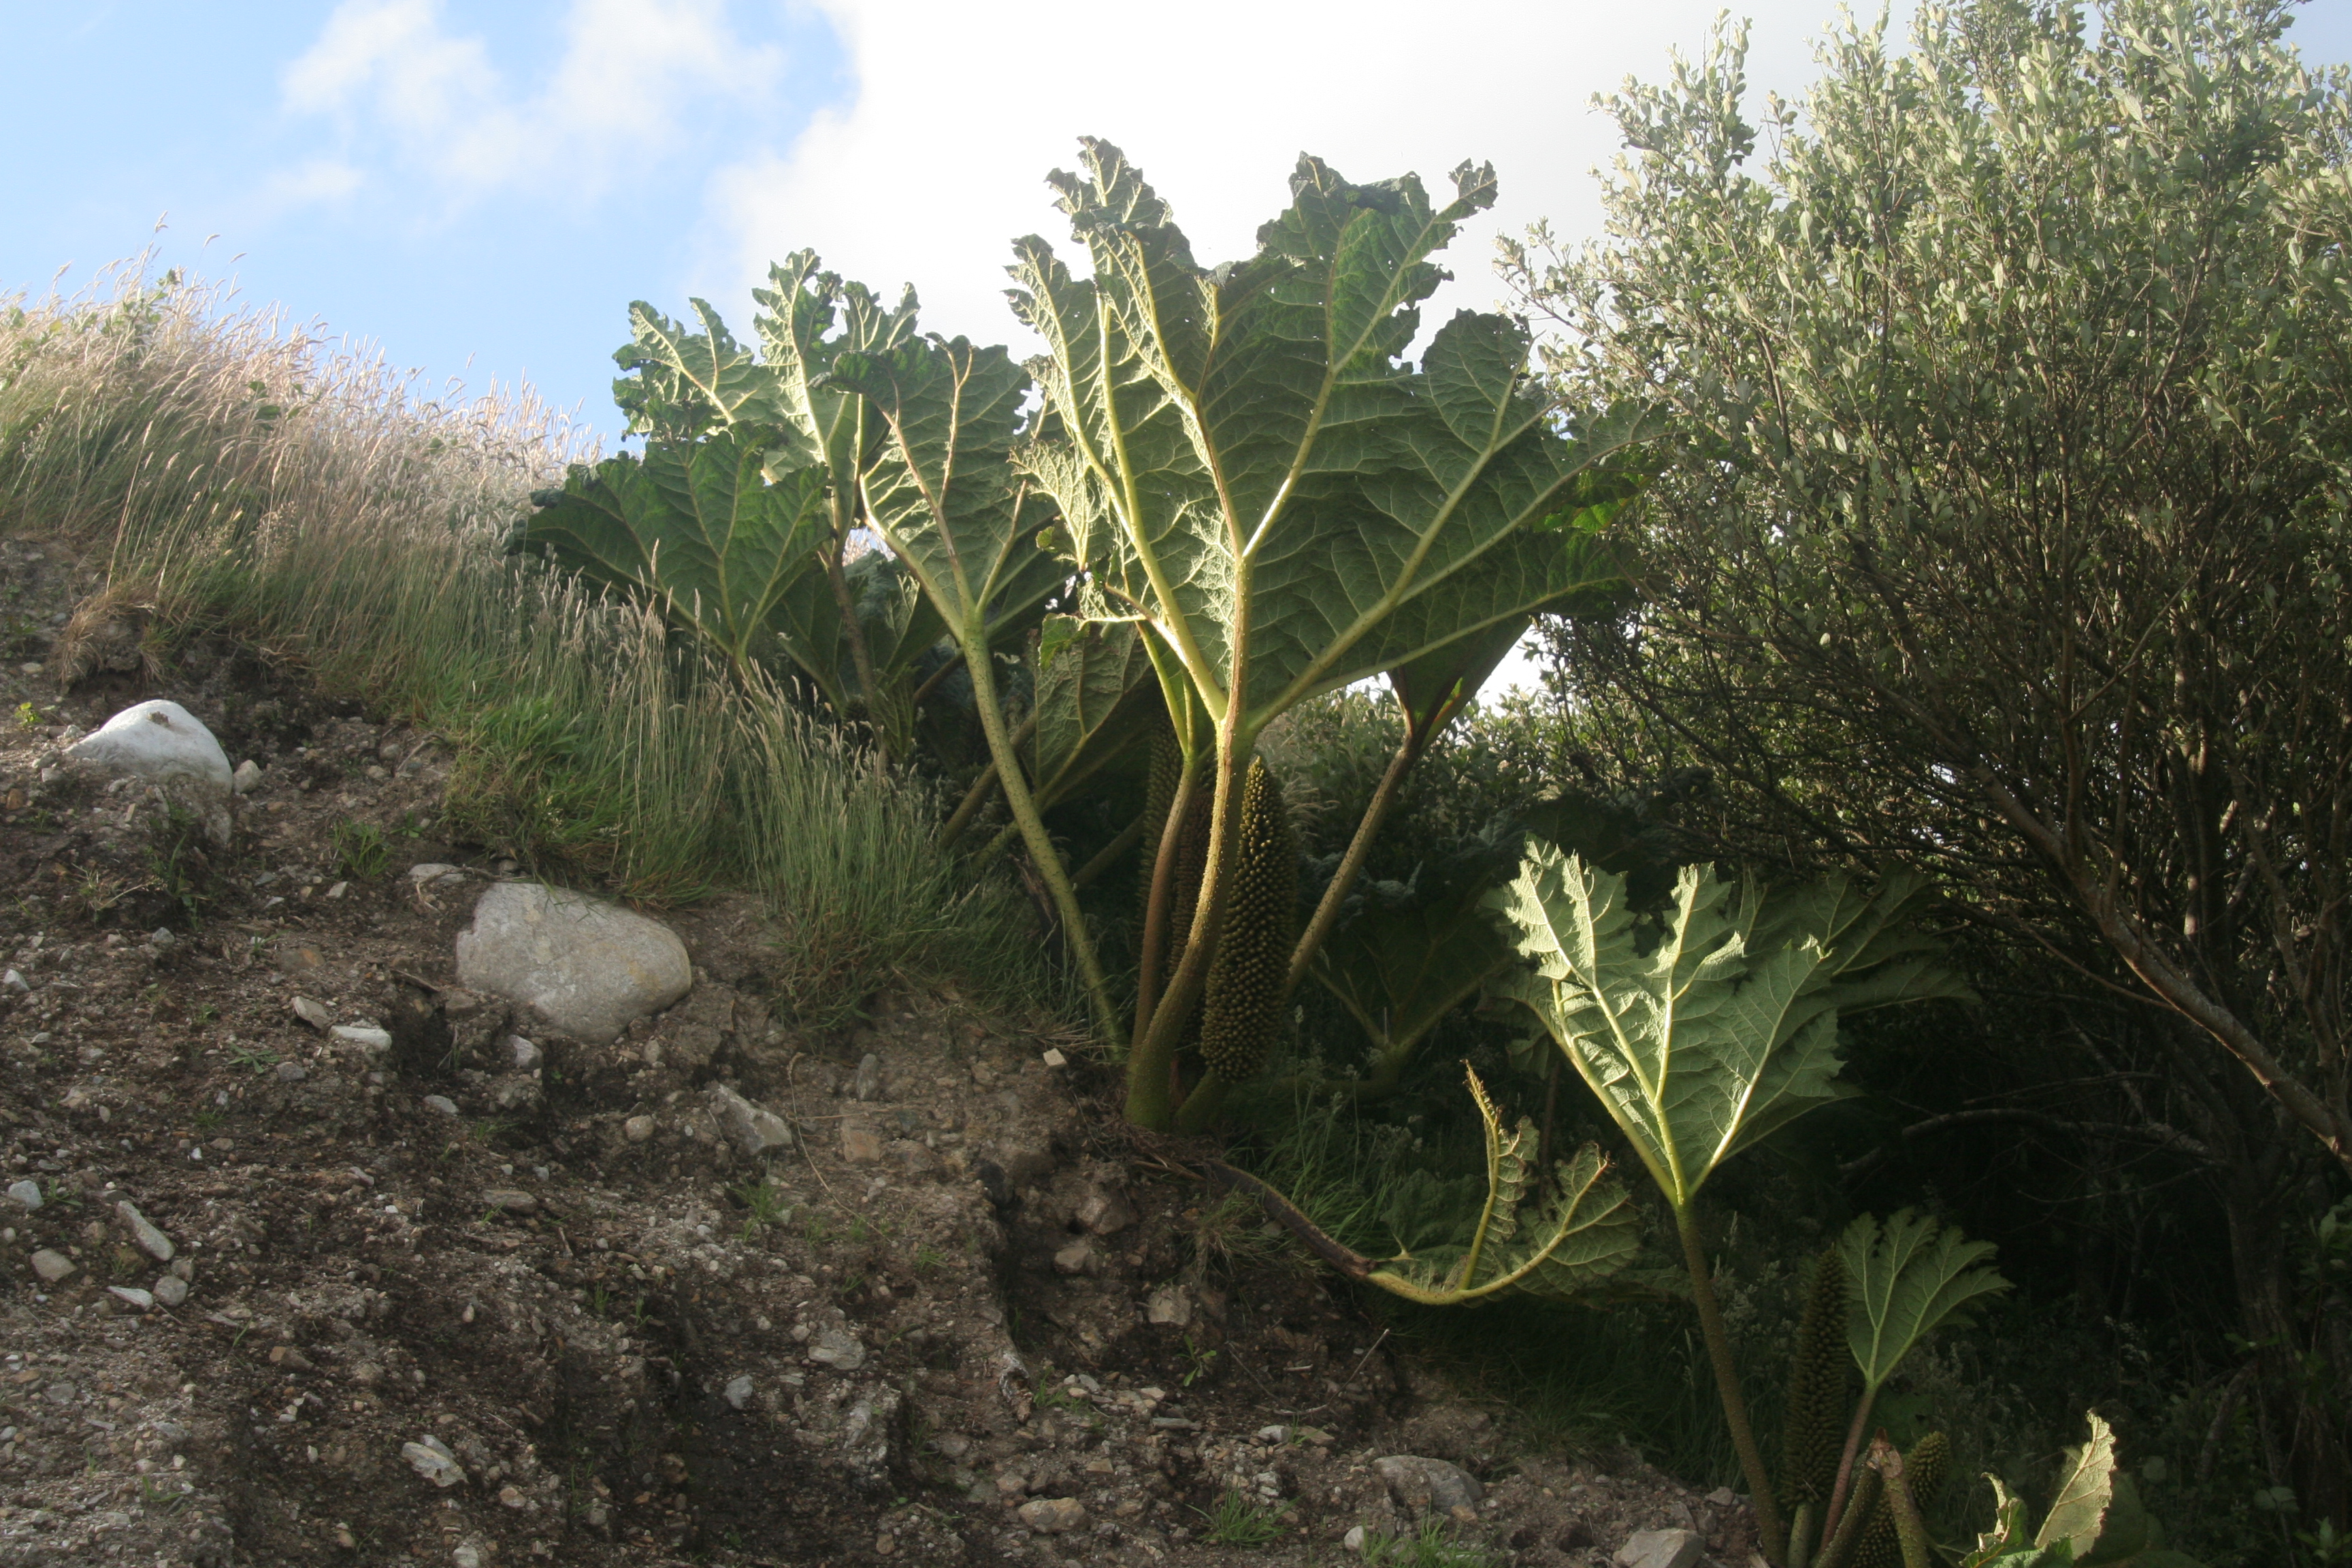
(249, 475)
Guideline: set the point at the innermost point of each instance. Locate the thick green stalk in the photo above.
(1910, 1530)
(1839, 1549)
(1156, 909)
(1049, 860)
(1327, 911)
(1151, 1077)
(1800, 1537)
(1727, 1383)
(1836, 1511)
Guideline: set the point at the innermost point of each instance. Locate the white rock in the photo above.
(749, 1125)
(163, 744)
(153, 1242)
(1053, 1059)
(739, 1391)
(51, 1266)
(467, 1556)
(1354, 1540)
(312, 1012)
(525, 1054)
(136, 1297)
(442, 1103)
(170, 1290)
(367, 1038)
(247, 778)
(434, 874)
(432, 1459)
(589, 968)
(1661, 1549)
(13, 980)
(638, 1129)
(26, 1192)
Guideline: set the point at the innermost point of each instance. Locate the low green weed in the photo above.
(1430, 1547)
(360, 850)
(1240, 1520)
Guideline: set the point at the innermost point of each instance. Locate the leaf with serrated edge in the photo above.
(695, 528)
(1584, 1232)
(1241, 449)
(1905, 1279)
(1725, 1028)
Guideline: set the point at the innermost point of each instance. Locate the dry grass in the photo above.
(247, 474)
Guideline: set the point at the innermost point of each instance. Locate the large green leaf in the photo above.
(1242, 459)
(1905, 1279)
(1095, 692)
(940, 492)
(1399, 971)
(696, 528)
(677, 384)
(799, 342)
(1556, 1238)
(1717, 1025)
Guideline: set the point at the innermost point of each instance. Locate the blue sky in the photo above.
(482, 188)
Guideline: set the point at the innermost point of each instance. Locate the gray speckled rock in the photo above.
(751, 1126)
(589, 968)
(1431, 1486)
(1662, 1549)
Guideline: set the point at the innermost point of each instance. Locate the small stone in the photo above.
(339, 890)
(508, 1200)
(1274, 1435)
(153, 1242)
(368, 1038)
(1434, 1486)
(1011, 1484)
(525, 1055)
(1724, 1497)
(1052, 1515)
(739, 1391)
(1075, 1259)
(467, 1556)
(1661, 1549)
(442, 1103)
(638, 1129)
(13, 980)
(1354, 1540)
(170, 1290)
(1053, 1059)
(28, 1192)
(247, 778)
(868, 1085)
(162, 940)
(915, 1159)
(1171, 1307)
(432, 1459)
(752, 1127)
(860, 1144)
(312, 1012)
(62, 1392)
(510, 1496)
(837, 1348)
(132, 1294)
(434, 874)
(1103, 1211)
(290, 1072)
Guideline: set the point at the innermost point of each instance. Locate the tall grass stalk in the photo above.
(250, 476)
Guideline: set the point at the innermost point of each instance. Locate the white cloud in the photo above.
(959, 109)
(403, 88)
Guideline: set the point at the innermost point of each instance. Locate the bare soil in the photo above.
(964, 1319)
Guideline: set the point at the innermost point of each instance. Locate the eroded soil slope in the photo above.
(436, 1296)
